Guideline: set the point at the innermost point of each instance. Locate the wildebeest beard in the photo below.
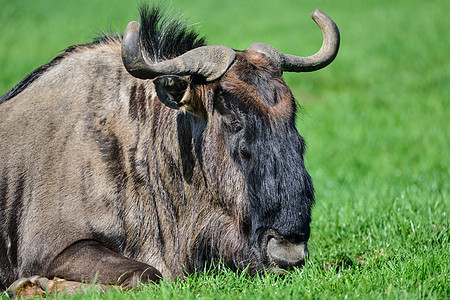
(220, 221)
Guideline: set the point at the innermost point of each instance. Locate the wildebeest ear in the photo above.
(171, 89)
(174, 92)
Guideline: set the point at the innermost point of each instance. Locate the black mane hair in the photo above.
(162, 37)
(165, 37)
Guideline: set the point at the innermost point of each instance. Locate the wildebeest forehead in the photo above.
(256, 81)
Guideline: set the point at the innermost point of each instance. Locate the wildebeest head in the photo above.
(250, 152)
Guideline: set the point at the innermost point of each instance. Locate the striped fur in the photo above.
(89, 153)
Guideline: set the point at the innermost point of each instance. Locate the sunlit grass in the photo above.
(376, 122)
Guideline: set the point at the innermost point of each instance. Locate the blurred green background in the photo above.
(376, 120)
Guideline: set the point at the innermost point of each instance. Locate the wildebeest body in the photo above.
(93, 162)
(95, 174)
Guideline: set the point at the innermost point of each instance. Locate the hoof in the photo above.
(27, 287)
(40, 286)
(136, 280)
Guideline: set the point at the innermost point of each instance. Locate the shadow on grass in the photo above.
(343, 261)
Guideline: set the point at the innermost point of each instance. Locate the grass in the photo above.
(376, 122)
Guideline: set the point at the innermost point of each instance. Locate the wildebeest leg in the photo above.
(88, 260)
(26, 288)
(83, 263)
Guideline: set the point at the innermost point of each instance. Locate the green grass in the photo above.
(376, 122)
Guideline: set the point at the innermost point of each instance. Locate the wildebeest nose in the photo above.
(287, 254)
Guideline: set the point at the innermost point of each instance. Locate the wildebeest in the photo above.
(151, 155)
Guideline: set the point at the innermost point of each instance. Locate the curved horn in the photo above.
(321, 59)
(211, 62)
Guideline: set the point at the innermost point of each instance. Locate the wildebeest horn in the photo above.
(211, 62)
(322, 58)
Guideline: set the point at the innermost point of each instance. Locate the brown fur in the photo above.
(90, 154)
(236, 82)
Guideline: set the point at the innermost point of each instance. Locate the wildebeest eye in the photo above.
(244, 151)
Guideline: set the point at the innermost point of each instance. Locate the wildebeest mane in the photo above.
(165, 37)
(162, 37)
(17, 89)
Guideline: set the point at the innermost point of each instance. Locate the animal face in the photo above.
(260, 136)
(253, 157)
(253, 153)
